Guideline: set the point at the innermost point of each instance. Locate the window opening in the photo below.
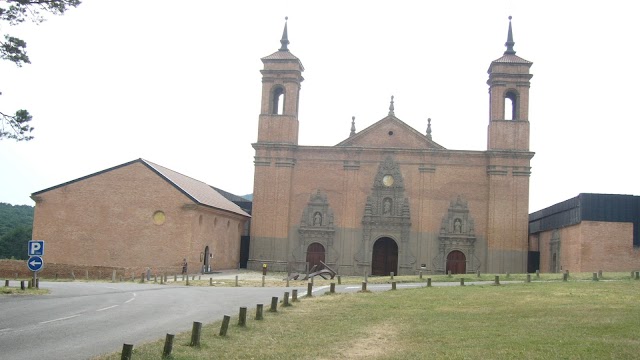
(277, 108)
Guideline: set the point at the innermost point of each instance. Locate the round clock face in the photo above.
(387, 180)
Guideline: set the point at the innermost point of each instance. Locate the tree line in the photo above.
(16, 225)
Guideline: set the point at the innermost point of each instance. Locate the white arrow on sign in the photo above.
(35, 262)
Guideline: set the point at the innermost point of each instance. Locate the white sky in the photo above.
(178, 83)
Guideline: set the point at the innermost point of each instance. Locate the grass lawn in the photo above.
(539, 320)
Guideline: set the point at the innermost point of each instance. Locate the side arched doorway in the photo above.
(206, 268)
(456, 262)
(315, 254)
(384, 259)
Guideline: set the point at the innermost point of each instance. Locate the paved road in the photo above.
(80, 320)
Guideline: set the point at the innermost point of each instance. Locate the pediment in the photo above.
(390, 132)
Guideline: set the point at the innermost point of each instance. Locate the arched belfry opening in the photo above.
(277, 101)
(511, 105)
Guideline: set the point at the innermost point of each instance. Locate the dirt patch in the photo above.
(379, 341)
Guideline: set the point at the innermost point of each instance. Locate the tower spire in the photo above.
(429, 128)
(353, 126)
(285, 38)
(509, 44)
(391, 108)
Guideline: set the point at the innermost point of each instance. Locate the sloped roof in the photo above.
(512, 59)
(404, 136)
(197, 191)
(283, 55)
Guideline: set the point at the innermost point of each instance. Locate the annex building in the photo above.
(388, 198)
(139, 215)
(587, 233)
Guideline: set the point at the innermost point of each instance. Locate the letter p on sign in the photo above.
(36, 247)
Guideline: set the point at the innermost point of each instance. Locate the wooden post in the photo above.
(637, 275)
(538, 274)
(29, 284)
(497, 280)
(294, 295)
(37, 283)
(364, 286)
(392, 275)
(528, 278)
(225, 325)
(195, 334)
(461, 281)
(127, 351)
(242, 317)
(332, 288)
(6, 283)
(199, 277)
(161, 279)
(478, 273)
(142, 278)
(420, 274)
(22, 287)
(287, 281)
(428, 282)
(259, 311)
(393, 285)
(286, 299)
(595, 276)
(565, 276)
(309, 289)
(312, 280)
(236, 280)
(210, 281)
(339, 280)
(274, 304)
(599, 274)
(168, 345)
(262, 280)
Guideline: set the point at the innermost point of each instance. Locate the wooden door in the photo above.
(456, 262)
(315, 254)
(384, 259)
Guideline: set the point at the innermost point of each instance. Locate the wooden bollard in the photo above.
(259, 311)
(428, 282)
(393, 285)
(199, 277)
(168, 345)
(22, 286)
(287, 281)
(6, 283)
(637, 275)
(161, 279)
(285, 301)
(294, 295)
(595, 276)
(37, 283)
(242, 316)
(599, 274)
(632, 274)
(339, 280)
(195, 334)
(29, 284)
(528, 278)
(210, 281)
(497, 280)
(538, 274)
(461, 281)
(225, 325)
(127, 351)
(478, 273)
(392, 275)
(236, 280)
(565, 276)
(274, 304)
(309, 289)
(364, 286)
(187, 283)
(142, 278)
(332, 288)
(420, 275)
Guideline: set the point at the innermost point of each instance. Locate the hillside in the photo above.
(15, 230)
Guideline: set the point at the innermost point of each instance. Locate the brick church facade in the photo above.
(388, 198)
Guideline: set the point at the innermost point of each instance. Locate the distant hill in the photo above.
(16, 223)
(248, 197)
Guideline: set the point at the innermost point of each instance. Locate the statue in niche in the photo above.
(457, 226)
(386, 206)
(317, 219)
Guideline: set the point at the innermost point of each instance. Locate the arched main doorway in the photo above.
(456, 262)
(315, 254)
(384, 259)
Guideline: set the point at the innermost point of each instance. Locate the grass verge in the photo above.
(540, 320)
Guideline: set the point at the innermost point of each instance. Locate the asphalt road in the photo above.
(80, 320)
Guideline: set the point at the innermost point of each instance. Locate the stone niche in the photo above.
(456, 242)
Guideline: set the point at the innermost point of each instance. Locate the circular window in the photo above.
(390, 132)
(159, 218)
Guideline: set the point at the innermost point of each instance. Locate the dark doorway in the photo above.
(456, 262)
(315, 254)
(385, 257)
(245, 241)
(206, 268)
(533, 261)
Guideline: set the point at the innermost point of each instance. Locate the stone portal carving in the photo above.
(457, 232)
(386, 214)
(316, 226)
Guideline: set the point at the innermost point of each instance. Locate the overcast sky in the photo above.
(178, 84)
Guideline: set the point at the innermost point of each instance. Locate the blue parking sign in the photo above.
(36, 248)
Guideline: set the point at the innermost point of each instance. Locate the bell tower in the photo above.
(509, 100)
(281, 79)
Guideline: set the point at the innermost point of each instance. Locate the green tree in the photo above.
(17, 126)
(13, 245)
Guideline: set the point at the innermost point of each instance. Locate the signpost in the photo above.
(35, 250)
